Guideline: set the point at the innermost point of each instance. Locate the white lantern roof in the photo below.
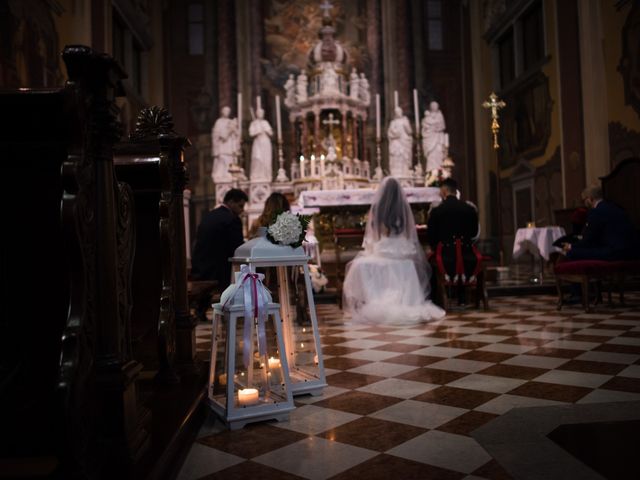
(259, 250)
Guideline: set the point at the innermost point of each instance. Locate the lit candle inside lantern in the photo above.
(274, 363)
(416, 109)
(278, 120)
(315, 359)
(222, 379)
(377, 116)
(248, 396)
(301, 166)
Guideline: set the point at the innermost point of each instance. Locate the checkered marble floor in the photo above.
(401, 402)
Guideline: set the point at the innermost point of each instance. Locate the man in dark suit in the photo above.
(453, 225)
(608, 233)
(218, 236)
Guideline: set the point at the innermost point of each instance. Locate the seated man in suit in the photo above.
(452, 227)
(608, 233)
(218, 236)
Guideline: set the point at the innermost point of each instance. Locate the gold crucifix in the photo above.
(494, 104)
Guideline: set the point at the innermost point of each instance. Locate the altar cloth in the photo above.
(362, 196)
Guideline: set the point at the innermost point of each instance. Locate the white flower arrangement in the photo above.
(288, 229)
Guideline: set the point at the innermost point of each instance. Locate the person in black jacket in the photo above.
(608, 233)
(450, 221)
(218, 236)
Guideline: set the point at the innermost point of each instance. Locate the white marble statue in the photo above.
(290, 91)
(435, 141)
(225, 144)
(354, 85)
(261, 148)
(365, 96)
(400, 145)
(329, 82)
(301, 87)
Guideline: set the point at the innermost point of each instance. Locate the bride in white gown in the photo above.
(388, 282)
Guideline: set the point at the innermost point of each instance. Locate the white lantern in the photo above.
(249, 375)
(301, 339)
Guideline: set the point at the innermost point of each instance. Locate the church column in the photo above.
(354, 136)
(305, 137)
(343, 114)
(594, 90)
(226, 52)
(316, 131)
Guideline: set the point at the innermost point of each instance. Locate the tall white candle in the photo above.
(377, 116)
(313, 165)
(301, 166)
(240, 110)
(416, 109)
(396, 103)
(278, 120)
(258, 103)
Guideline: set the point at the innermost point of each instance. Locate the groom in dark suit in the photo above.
(218, 236)
(608, 233)
(453, 225)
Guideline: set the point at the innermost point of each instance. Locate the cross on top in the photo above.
(494, 105)
(331, 121)
(326, 6)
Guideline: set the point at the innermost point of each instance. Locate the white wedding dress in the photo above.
(382, 285)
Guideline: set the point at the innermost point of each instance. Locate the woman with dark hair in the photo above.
(275, 204)
(388, 282)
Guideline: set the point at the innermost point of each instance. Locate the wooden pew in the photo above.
(152, 163)
(69, 394)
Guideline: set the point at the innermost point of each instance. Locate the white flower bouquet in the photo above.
(288, 229)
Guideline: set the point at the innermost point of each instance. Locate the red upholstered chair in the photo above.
(475, 283)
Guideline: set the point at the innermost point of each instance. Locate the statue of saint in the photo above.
(365, 96)
(354, 84)
(400, 145)
(290, 89)
(434, 139)
(261, 148)
(329, 82)
(225, 144)
(301, 88)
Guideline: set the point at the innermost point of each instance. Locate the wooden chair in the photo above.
(474, 285)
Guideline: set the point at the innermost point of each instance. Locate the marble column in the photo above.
(316, 132)
(226, 52)
(354, 137)
(343, 120)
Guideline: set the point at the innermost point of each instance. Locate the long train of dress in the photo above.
(382, 286)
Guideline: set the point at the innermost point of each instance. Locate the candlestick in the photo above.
(416, 110)
(248, 396)
(313, 165)
(278, 120)
(322, 174)
(377, 115)
(395, 99)
(301, 166)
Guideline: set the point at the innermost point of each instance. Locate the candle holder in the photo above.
(282, 174)
(378, 172)
(241, 391)
(300, 329)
